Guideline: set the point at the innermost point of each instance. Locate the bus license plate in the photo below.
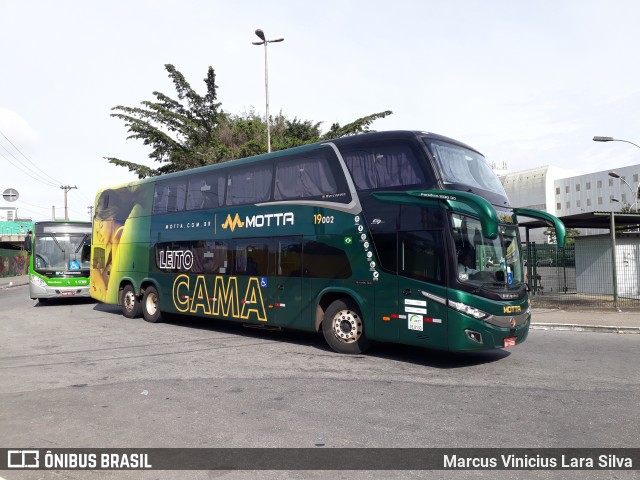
(71, 294)
(509, 342)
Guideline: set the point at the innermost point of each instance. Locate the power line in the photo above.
(41, 179)
(27, 159)
(83, 198)
(31, 204)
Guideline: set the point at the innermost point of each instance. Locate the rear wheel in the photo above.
(343, 327)
(130, 302)
(151, 305)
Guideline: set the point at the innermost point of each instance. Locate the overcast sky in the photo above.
(526, 83)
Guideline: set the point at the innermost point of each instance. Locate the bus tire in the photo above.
(151, 305)
(130, 302)
(343, 327)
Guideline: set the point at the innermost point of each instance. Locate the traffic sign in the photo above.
(10, 195)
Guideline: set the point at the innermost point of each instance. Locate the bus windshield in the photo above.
(461, 166)
(484, 261)
(56, 252)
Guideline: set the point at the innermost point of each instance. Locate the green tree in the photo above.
(193, 130)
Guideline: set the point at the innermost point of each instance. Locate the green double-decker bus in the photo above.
(59, 259)
(402, 236)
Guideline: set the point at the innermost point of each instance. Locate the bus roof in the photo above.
(339, 142)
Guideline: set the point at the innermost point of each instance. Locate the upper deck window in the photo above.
(170, 196)
(249, 185)
(389, 164)
(304, 177)
(461, 166)
(205, 191)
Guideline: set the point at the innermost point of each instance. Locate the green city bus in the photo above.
(59, 259)
(402, 236)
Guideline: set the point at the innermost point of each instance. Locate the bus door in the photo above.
(251, 270)
(422, 292)
(285, 286)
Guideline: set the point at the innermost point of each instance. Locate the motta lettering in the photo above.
(178, 259)
(259, 221)
(218, 297)
(512, 309)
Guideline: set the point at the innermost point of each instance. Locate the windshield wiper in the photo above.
(53, 235)
(84, 239)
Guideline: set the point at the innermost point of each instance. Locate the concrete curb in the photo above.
(572, 327)
(13, 284)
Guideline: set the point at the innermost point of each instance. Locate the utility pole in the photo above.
(264, 42)
(90, 207)
(66, 189)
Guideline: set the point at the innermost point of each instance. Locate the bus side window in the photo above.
(249, 185)
(170, 196)
(386, 245)
(204, 191)
(421, 255)
(216, 258)
(304, 176)
(389, 164)
(288, 253)
(323, 260)
(252, 257)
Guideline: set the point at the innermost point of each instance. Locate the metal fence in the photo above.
(582, 275)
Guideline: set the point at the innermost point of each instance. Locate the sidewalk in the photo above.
(6, 282)
(603, 321)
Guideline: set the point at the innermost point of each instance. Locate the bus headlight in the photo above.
(36, 280)
(471, 311)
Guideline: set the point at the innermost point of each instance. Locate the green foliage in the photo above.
(193, 130)
(572, 233)
(359, 126)
(176, 130)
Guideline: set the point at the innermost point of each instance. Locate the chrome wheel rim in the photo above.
(347, 326)
(152, 304)
(129, 301)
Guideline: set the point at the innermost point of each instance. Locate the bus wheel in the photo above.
(151, 305)
(343, 327)
(130, 303)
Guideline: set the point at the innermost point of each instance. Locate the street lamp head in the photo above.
(260, 35)
(603, 139)
(613, 199)
(276, 40)
(614, 174)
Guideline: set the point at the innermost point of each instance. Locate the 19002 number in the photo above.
(318, 219)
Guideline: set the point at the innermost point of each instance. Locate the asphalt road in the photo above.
(78, 374)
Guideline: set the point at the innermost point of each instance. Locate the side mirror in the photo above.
(27, 241)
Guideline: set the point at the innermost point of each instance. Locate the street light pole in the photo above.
(264, 42)
(614, 174)
(633, 194)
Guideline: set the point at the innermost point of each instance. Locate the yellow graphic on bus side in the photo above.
(232, 223)
(193, 297)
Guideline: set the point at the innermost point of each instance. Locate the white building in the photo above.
(8, 214)
(593, 192)
(534, 189)
(555, 191)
